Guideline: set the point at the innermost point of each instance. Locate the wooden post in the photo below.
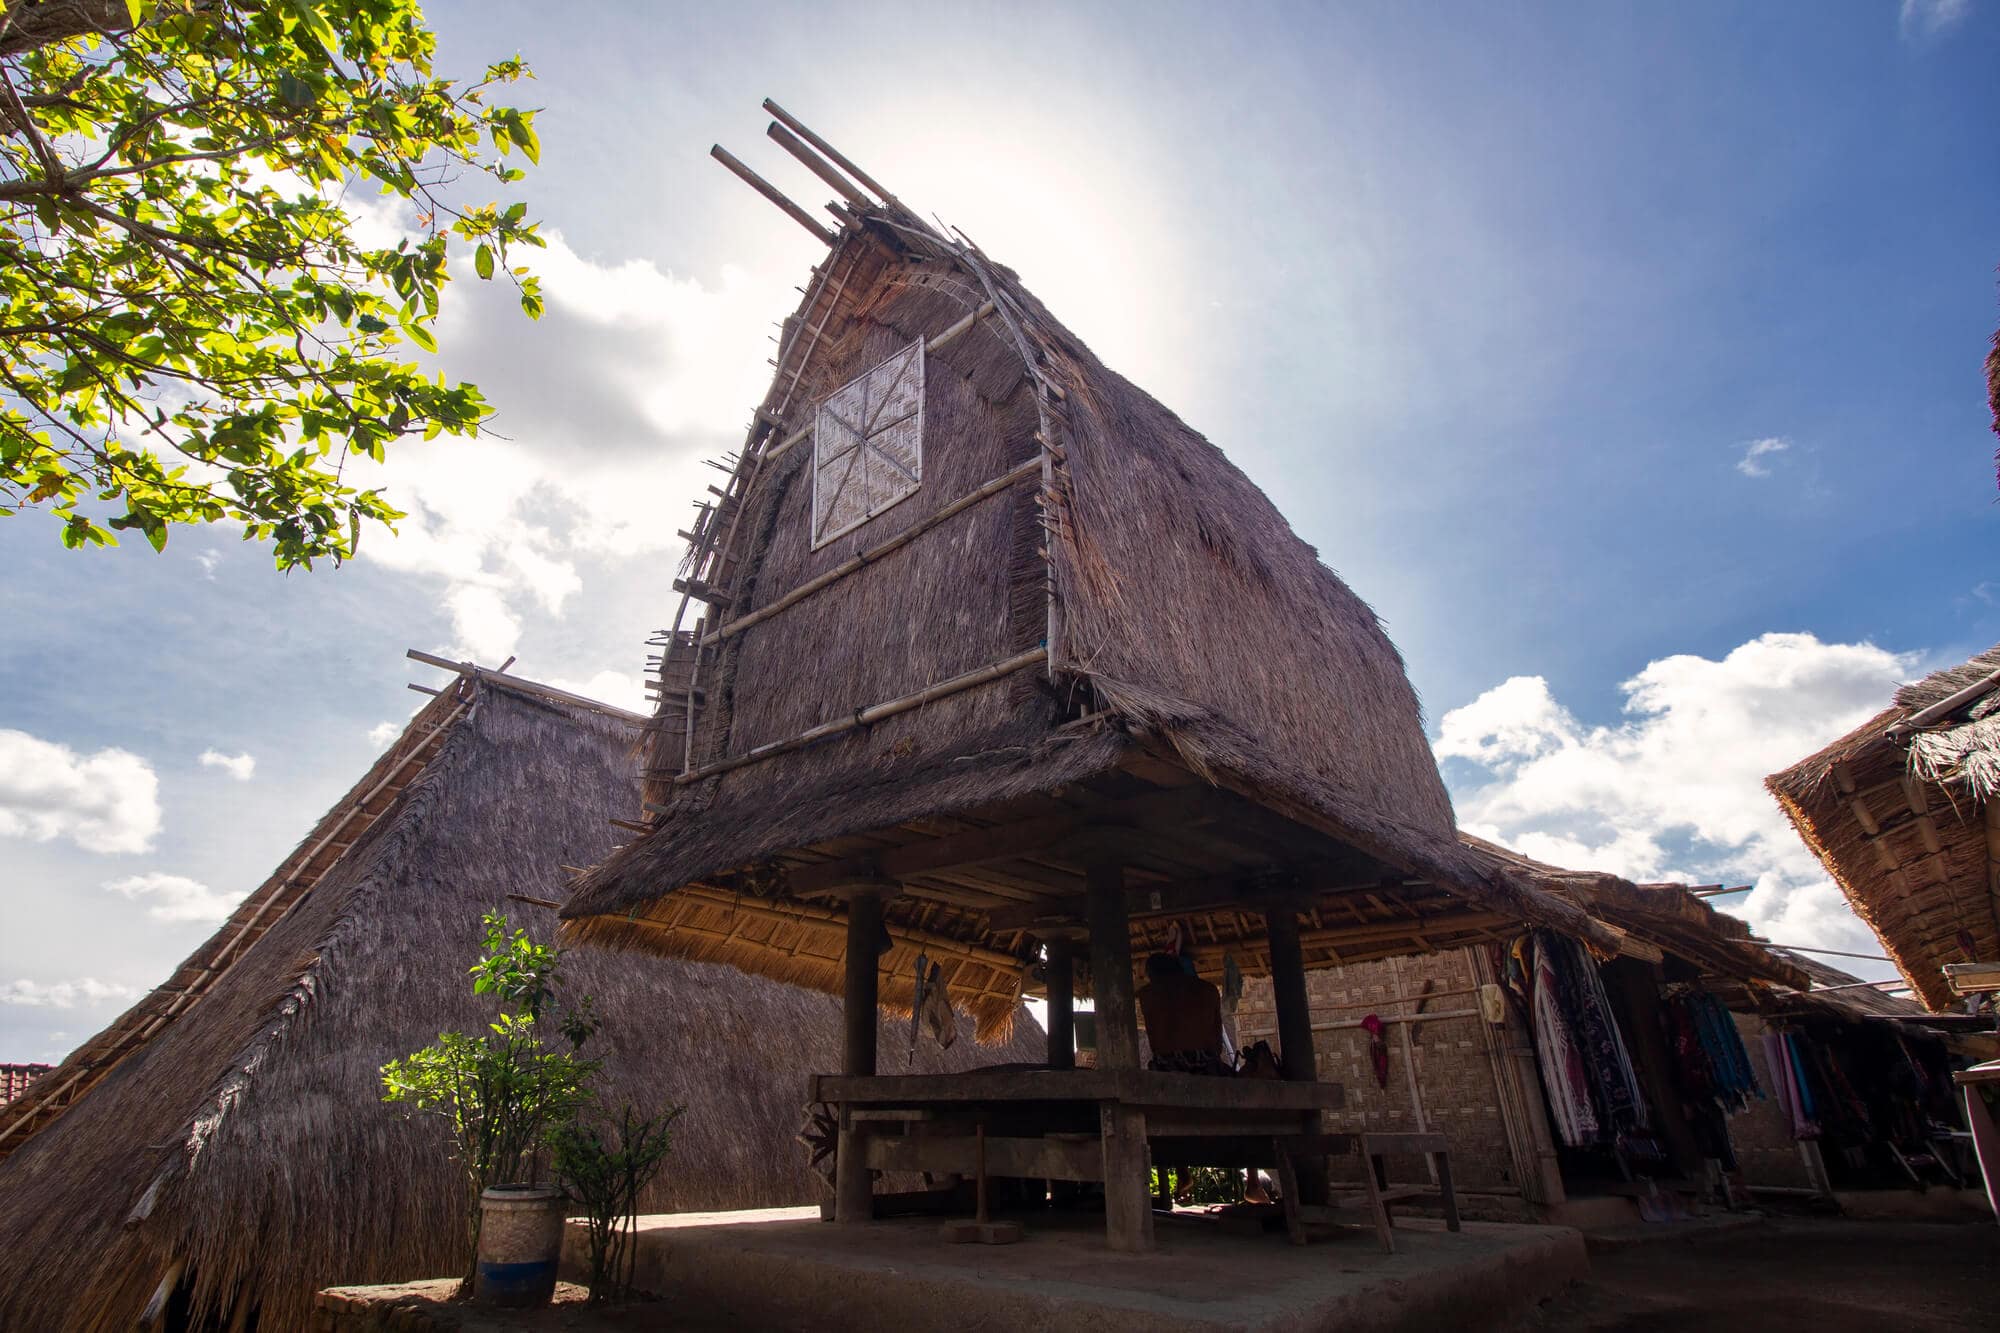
(1288, 993)
(1295, 1033)
(1111, 967)
(854, 1185)
(1128, 1201)
(1062, 1001)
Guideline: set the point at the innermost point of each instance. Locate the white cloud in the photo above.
(605, 409)
(176, 898)
(238, 766)
(1927, 18)
(622, 689)
(102, 802)
(1675, 791)
(1750, 466)
(208, 560)
(64, 994)
(382, 733)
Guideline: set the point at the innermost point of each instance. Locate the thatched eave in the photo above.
(1900, 813)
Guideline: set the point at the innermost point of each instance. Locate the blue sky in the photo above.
(1625, 358)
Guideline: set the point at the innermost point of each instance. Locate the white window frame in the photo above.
(869, 430)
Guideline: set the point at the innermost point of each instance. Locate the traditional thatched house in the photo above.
(1901, 812)
(1453, 1062)
(975, 614)
(225, 1141)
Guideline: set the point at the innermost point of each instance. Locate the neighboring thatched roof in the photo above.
(1899, 811)
(1146, 607)
(245, 1137)
(1667, 916)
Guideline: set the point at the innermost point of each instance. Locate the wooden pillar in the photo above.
(1295, 1033)
(1128, 1199)
(1062, 1001)
(854, 1183)
(1288, 994)
(1111, 967)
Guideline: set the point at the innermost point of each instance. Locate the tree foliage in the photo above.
(197, 321)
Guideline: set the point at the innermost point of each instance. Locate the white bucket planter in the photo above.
(520, 1241)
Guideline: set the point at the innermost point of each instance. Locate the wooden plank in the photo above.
(1006, 1155)
(1140, 1087)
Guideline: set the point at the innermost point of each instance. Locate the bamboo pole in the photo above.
(818, 165)
(772, 193)
(874, 553)
(1946, 706)
(936, 344)
(872, 714)
(833, 154)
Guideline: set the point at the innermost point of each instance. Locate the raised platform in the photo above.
(784, 1269)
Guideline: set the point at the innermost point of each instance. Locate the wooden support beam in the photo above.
(854, 1183)
(1062, 1001)
(875, 713)
(772, 193)
(833, 155)
(874, 553)
(817, 165)
(1111, 968)
(1295, 1032)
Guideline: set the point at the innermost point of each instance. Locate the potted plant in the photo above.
(502, 1094)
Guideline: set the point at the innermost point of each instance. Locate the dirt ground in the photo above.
(1792, 1275)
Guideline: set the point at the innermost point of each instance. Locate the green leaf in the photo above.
(482, 261)
(315, 23)
(421, 336)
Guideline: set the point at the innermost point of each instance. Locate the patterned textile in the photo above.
(1563, 1074)
(1710, 1052)
(1586, 1009)
(1190, 1062)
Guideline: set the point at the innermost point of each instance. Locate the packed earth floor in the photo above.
(1791, 1275)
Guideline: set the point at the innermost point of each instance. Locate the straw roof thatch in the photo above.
(242, 1142)
(1138, 623)
(1900, 811)
(1669, 917)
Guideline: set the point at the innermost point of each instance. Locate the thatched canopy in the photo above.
(1900, 811)
(1083, 617)
(1669, 917)
(234, 1131)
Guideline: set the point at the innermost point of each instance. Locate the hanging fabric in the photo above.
(1556, 1055)
(1586, 1010)
(939, 1020)
(1378, 1048)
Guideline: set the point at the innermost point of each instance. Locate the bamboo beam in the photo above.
(833, 154)
(874, 553)
(872, 714)
(936, 344)
(533, 687)
(1944, 707)
(772, 193)
(818, 165)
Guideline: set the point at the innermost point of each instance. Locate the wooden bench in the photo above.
(1290, 1152)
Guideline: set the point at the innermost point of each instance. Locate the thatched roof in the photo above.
(1670, 917)
(1140, 618)
(245, 1138)
(1899, 810)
